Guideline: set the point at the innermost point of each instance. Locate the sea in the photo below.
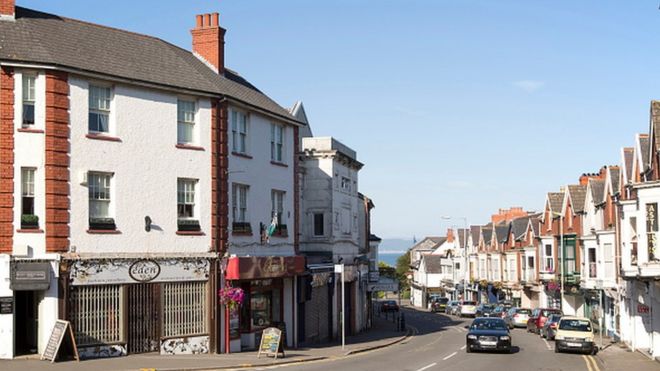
(390, 257)
(390, 249)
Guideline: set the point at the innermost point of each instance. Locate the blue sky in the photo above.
(455, 107)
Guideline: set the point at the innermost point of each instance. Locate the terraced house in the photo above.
(137, 177)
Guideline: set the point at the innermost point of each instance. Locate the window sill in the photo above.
(29, 231)
(276, 163)
(103, 231)
(244, 155)
(30, 130)
(106, 138)
(241, 233)
(190, 233)
(189, 147)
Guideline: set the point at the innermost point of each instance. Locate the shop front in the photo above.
(123, 305)
(270, 300)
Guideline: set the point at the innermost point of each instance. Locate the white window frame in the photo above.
(277, 143)
(240, 193)
(186, 189)
(548, 258)
(240, 129)
(29, 97)
(277, 204)
(345, 183)
(102, 181)
(27, 187)
(101, 106)
(186, 113)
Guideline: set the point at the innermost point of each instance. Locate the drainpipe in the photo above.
(561, 263)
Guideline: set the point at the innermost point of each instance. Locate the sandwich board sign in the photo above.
(271, 342)
(58, 334)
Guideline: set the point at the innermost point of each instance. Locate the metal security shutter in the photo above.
(144, 318)
(95, 314)
(316, 316)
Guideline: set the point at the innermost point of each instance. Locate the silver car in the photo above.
(467, 308)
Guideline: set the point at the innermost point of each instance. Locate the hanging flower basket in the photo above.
(554, 286)
(483, 283)
(232, 297)
(498, 285)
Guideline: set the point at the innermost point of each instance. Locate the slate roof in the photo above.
(628, 157)
(488, 235)
(42, 38)
(535, 221)
(475, 230)
(428, 243)
(502, 233)
(615, 179)
(644, 147)
(578, 194)
(556, 200)
(519, 227)
(432, 263)
(597, 187)
(461, 233)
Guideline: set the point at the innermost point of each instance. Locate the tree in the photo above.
(402, 271)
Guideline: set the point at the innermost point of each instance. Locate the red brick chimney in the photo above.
(208, 41)
(7, 8)
(450, 235)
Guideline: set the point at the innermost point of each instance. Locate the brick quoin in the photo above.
(57, 162)
(223, 176)
(214, 176)
(6, 154)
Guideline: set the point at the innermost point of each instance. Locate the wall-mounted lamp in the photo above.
(147, 223)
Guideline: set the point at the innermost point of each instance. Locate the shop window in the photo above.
(184, 305)
(95, 314)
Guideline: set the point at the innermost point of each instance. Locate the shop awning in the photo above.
(257, 267)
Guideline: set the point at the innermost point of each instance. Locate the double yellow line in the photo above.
(592, 365)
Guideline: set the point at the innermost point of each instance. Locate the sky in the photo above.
(456, 108)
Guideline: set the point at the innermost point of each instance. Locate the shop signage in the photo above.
(58, 334)
(271, 342)
(144, 270)
(7, 305)
(123, 271)
(30, 276)
(259, 267)
(643, 309)
(391, 286)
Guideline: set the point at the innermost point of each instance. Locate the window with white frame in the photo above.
(277, 210)
(531, 270)
(239, 132)
(184, 309)
(276, 142)
(29, 82)
(99, 108)
(185, 121)
(496, 270)
(512, 270)
(28, 218)
(345, 184)
(549, 261)
(186, 214)
(99, 185)
(239, 208)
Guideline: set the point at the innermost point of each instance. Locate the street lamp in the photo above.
(465, 254)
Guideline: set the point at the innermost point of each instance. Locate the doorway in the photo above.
(26, 322)
(143, 318)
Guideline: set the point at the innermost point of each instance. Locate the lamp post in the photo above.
(465, 254)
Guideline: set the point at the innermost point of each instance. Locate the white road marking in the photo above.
(547, 344)
(428, 366)
(463, 347)
(449, 356)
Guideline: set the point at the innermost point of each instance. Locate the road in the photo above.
(439, 344)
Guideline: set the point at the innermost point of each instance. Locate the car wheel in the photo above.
(468, 349)
(556, 349)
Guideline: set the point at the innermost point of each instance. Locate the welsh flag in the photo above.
(272, 226)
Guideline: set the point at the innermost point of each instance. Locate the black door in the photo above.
(143, 318)
(26, 322)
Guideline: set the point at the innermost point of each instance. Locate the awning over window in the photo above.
(255, 267)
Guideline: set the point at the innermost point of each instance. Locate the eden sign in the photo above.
(126, 271)
(144, 270)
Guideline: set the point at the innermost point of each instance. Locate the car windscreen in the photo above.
(547, 313)
(523, 311)
(443, 300)
(489, 306)
(575, 325)
(488, 324)
(469, 303)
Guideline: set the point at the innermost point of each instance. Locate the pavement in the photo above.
(382, 334)
(617, 356)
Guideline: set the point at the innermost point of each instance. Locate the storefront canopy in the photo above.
(256, 267)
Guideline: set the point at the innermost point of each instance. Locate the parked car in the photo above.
(538, 318)
(439, 304)
(467, 308)
(517, 317)
(451, 307)
(488, 334)
(484, 310)
(549, 329)
(500, 311)
(389, 306)
(575, 334)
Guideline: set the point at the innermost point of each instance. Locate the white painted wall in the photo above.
(262, 177)
(6, 320)
(146, 166)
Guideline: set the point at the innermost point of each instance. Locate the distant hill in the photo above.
(394, 245)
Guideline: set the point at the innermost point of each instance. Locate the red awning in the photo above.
(256, 267)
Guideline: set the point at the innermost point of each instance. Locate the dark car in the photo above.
(538, 317)
(484, 310)
(500, 311)
(389, 306)
(549, 329)
(439, 304)
(452, 306)
(488, 334)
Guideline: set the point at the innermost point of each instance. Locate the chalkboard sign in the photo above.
(271, 342)
(58, 334)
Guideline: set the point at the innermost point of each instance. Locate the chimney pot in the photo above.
(207, 20)
(215, 17)
(200, 20)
